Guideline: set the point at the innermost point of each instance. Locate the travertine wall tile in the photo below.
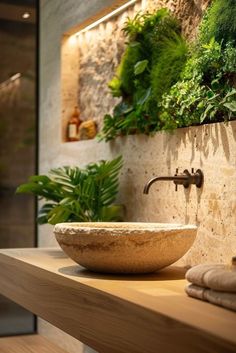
(211, 148)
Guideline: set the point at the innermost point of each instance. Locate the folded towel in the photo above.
(218, 277)
(227, 300)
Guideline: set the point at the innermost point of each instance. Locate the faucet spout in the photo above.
(185, 179)
(178, 179)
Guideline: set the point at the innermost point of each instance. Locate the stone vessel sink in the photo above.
(124, 247)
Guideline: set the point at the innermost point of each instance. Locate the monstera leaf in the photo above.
(78, 195)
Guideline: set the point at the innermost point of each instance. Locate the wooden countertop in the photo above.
(115, 314)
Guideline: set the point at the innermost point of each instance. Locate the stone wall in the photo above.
(211, 148)
(97, 53)
(188, 12)
(100, 51)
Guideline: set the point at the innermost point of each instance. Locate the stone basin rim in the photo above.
(119, 228)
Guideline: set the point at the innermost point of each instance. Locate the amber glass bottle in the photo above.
(73, 125)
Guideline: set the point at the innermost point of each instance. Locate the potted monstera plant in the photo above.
(74, 194)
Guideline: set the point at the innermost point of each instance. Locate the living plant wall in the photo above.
(165, 82)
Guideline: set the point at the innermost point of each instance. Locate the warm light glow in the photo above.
(15, 77)
(72, 39)
(10, 80)
(108, 16)
(26, 15)
(143, 4)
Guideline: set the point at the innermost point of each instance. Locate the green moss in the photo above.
(152, 62)
(164, 83)
(169, 63)
(146, 33)
(219, 22)
(130, 58)
(122, 83)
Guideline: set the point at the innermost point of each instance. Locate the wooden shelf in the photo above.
(28, 344)
(118, 314)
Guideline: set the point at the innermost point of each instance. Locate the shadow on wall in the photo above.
(205, 140)
(208, 147)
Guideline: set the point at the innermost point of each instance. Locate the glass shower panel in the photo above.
(17, 143)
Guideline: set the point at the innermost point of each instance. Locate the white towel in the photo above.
(227, 300)
(218, 277)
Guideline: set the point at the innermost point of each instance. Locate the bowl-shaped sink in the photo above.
(124, 247)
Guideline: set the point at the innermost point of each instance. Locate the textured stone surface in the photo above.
(124, 247)
(211, 148)
(188, 12)
(99, 53)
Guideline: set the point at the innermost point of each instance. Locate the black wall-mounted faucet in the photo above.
(185, 179)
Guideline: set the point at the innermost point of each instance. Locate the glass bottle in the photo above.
(73, 125)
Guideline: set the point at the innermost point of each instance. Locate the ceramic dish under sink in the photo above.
(125, 247)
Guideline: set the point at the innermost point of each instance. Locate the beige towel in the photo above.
(227, 300)
(218, 277)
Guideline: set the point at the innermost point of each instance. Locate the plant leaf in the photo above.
(145, 96)
(77, 194)
(231, 93)
(140, 66)
(231, 106)
(204, 115)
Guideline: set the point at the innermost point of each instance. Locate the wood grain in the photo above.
(28, 344)
(115, 314)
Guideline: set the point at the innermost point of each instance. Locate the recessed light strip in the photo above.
(10, 79)
(106, 17)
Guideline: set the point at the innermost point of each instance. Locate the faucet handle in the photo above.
(176, 173)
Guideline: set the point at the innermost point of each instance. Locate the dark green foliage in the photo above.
(151, 64)
(122, 83)
(205, 93)
(219, 22)
(167, 68)
(151, 28)
(211, 61)
(165, 85)
(75, 194)
(131, 56)
(190, 103)
(229, 59)
(206, 62)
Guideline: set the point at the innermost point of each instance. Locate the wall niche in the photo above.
(88, 63)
